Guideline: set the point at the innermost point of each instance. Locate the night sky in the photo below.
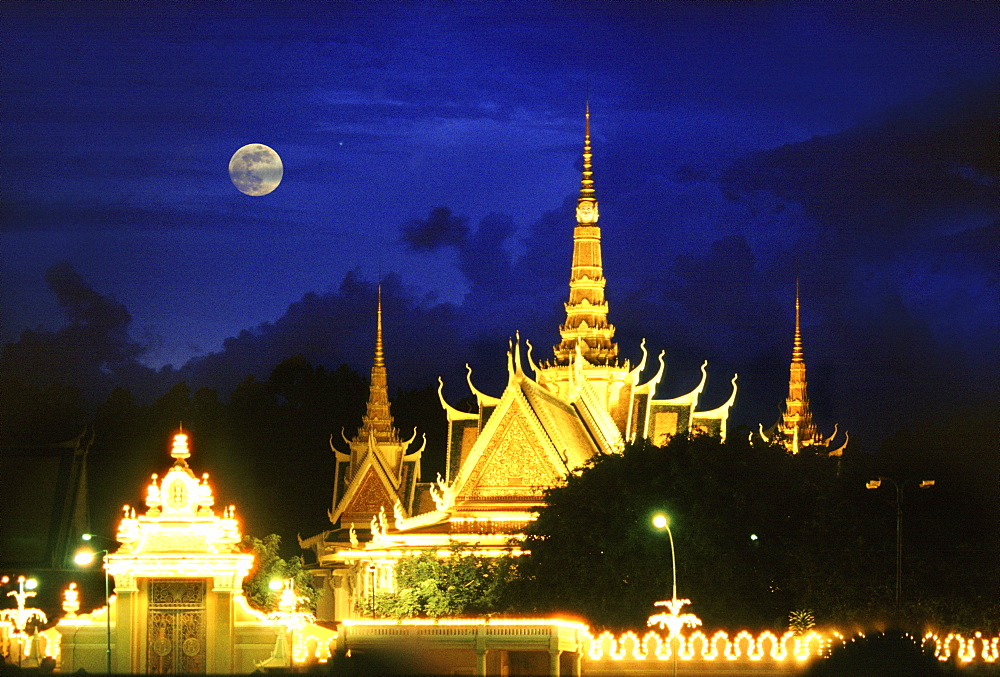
(736, 146)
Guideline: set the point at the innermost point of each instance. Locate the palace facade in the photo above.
(550, 419)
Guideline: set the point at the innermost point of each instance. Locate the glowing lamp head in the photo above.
(276, 584)
(84, 557)
(926, 483)
(86, 537)
(661, 521)
(30, 584)
(873, 484)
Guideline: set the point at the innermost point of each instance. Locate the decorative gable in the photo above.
(517, 461)
(369, 498)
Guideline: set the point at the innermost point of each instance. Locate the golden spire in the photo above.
(587, 310)
(379, 353)
(587, 182)
(797, 420)
(797, 341)
(378, 419)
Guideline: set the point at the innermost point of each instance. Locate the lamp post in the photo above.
(661, 521)
(875, 484)
(83, 558)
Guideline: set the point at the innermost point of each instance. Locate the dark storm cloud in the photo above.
(91, 351)
(83, 305)
(895, 238)
(441, 228)
(483, 258)
(878, 180)
(338, 327)
(424, 339)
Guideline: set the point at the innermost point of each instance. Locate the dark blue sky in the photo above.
(735, 144)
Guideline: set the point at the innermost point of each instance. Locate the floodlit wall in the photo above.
(538, 646)
(83, 642)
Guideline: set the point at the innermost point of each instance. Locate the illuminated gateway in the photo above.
(501, 458)
(178, 604)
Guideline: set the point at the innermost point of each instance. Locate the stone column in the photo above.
(554, 662)
(221, 654)
(128, 627)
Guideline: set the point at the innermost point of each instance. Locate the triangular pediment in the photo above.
(512, 458)
(365, 497)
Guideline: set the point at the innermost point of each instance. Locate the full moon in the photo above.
(255, 169)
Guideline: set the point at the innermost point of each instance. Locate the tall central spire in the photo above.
(797, 421)
(378, 419)
(586, 323)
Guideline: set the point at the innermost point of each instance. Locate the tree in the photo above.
(269, 566)
(460, 584)
(751, 525)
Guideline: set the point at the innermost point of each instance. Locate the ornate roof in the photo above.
(180, 534)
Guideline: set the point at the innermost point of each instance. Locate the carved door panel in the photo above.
(176, 627)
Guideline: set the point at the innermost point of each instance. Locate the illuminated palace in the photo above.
(501, 457)
(795, 429)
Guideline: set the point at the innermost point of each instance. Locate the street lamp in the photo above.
(875, 484)
(661, 521)
(83, 558)
(21, 617)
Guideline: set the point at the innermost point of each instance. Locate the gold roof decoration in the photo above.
(180, 514)
(586, 323)
(796, 429)
(377, 421)
(380, 468)
(179, 450)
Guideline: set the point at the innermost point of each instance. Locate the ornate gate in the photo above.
(176, 627)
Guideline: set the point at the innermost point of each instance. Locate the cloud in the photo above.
(441, 228)
(896, 238)
(878, 180)
(338, 327)
(89, 353)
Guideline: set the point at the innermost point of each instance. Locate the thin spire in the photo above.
(379, 352)
(586, 324)
(378, 418)
(797, 420)
(797, 355)
(587, 183)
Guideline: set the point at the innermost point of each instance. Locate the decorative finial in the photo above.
(180, 449)
(379, 353)
(71, 601)
(586, 206)
(797, 353)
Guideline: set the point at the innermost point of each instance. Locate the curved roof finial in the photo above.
(517, 354)
(531, 360)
